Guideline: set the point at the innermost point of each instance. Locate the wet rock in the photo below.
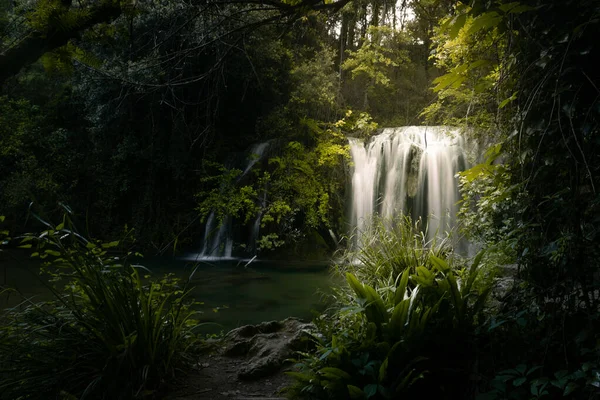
(267, 346)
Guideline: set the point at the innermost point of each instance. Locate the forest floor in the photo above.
(216, 378)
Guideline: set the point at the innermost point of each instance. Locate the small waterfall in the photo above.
(411, 170)
(218, 238)
(219, 245)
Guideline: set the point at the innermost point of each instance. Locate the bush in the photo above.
(107, 335)
(389, 247)
(414, 330)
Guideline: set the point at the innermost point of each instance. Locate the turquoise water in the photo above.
(233, 295)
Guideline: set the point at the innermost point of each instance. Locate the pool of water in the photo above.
(233, 293)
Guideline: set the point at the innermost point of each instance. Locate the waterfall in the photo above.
(407, 170)
(218, 237)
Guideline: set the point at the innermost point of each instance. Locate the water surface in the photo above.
(233, 294)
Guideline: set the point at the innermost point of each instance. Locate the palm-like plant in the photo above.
(391, 331)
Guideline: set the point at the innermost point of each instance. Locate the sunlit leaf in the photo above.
(456, 25)
(486, 20)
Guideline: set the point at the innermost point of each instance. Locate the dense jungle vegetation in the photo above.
(130, 120)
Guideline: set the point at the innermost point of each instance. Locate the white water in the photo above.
(218, 238)
(408, 170)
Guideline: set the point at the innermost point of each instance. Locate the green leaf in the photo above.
(587, 366)
(504, 102)
(452, 80)
(355, 392)
(519, 381)
(299, 376)
(426, 276)
(111, 244)
(375, 310)
(383, 370)
(334, 373)
(479, 63)
(473, 272)
(457, 23)
(370, 390)
(508, 6)
(521, 368)
(486, 20)
(2, 218)
(480, 303)
(561, 374)
(399, 318)
(457, 299)
(356, 286)
(401, 289)
(571, 386)
(515, 8)
(439, 263)
(25, 246)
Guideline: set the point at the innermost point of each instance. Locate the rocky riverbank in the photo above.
(248, 363)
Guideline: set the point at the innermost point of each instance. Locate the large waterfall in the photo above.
(410, 170)
(407, 170)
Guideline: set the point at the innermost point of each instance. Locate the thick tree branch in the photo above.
(35, 44)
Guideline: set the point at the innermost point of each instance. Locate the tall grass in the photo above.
(391, 246)
(107, 335)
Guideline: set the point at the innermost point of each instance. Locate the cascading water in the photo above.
(218, 238)
(408, 170)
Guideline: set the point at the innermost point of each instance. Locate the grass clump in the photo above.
(389, 247)
(107, 335)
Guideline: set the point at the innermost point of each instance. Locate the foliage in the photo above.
(538, 195)
(357, 124)
(474, 52)
(228, 199)
(314, 82)
(548, 131)
(378, 70)
(23, 143)
(374, 60)
(295, 191)
(389, 340)
(137, 108)
(536, 350)
(305, 178)
(109, 334)
(490, 201)
(389, 247)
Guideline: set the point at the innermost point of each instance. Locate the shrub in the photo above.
(414, 329)
(389, 247)
(107, 335)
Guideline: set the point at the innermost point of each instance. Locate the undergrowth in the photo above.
(109, 333)
(407, 317)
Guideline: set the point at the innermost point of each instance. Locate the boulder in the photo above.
(267, 346)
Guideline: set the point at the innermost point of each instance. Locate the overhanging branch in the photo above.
(35, 44)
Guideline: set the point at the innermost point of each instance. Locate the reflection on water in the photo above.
(240, 295)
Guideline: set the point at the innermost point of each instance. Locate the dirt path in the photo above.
(216, 378)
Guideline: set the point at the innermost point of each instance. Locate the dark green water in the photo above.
(240, 295)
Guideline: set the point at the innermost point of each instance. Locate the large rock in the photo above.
(267, 345)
